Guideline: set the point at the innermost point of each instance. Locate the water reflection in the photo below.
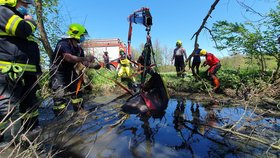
(211, 118)
(179, 124)
(184, 129)
(179, 115)
(147, 140)
(196, 120)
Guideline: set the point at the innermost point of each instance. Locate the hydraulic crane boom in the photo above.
(141, 16)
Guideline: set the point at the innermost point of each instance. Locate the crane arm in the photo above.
(141, 16)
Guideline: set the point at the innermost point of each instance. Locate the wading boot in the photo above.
(216, 84)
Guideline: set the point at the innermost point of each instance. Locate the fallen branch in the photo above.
(263, 141)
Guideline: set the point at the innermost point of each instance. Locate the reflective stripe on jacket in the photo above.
(18, 45)
(11, 24)
(24, 67)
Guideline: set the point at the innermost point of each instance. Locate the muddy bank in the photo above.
(265, 103)
(266, 100)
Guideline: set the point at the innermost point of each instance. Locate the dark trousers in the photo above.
(195, 66)
(180, 69)
(64, 85)
(23, 92)
(107, 65)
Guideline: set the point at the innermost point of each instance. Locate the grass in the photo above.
(234, 70)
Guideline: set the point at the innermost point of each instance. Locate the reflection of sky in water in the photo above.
(180, 132)
(183, 131)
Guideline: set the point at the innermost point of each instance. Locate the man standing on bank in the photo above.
(179, 55)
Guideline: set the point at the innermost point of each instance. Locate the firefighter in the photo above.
(179, 54)
(19, 64)
(125, 70)
(215, 65)
(196, 60)
(64, 77)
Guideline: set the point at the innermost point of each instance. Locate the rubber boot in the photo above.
(216, 84)
(78, 107)
(3, 143)
(59, 108)
(178, 74)
(31, 131)
(78, 104)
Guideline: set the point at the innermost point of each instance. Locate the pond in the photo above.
(185, 129)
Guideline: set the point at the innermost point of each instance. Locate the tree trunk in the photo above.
(40, 23)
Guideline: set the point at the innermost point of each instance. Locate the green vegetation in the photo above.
(238, 73)
(256, 40)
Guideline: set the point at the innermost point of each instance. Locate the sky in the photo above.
(172, 19)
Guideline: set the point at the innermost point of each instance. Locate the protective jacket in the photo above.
(125, 68)
(196, 57)
(19, 65)
(65, 46)
(211, 60)
(17, 41)
(178, 55)
(215, 65)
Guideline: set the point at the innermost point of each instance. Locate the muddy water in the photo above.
(185, 129)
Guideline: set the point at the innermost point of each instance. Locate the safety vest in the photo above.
(124, 62)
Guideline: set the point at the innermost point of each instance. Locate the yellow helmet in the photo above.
(121, 51)
(76, 31)
(179, 43)
(202, 52)
(13, 3)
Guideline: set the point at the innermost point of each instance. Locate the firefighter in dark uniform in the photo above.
(64, 78)
(19, 64)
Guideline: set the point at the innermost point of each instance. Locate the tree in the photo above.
(48, 26)
(254, 40)
(271, 35)
(158, 53)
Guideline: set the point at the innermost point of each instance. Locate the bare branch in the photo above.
(204, 21)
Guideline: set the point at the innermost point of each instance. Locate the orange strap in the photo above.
(79, 84)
